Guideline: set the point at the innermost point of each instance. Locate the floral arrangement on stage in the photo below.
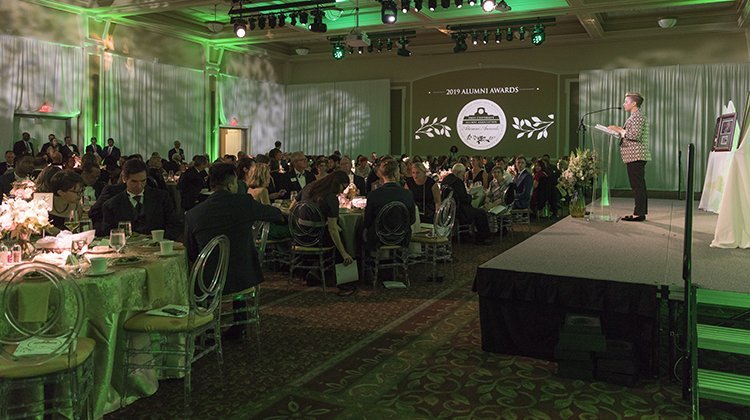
(581, 170)
(20, 216)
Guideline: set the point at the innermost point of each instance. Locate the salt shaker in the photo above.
(5, 256)
(16, 253)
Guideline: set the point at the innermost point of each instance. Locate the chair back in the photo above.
(509, 194)
(445, 217)
(260, 237)
(392, 225)
(39, 303)
(307, 224)
(208, 286)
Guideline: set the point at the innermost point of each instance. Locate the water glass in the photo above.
(126, 227)
(78, 247)
(71, 222)
(85, 225)
(117, 240)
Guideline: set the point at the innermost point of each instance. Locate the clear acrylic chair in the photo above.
(41, 304)
(271, 252)
(393, 230)
(308, 227)
(436, 245)
(200, 328)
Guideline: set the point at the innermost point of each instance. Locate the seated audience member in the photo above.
(227, 213)
(466, 214)
(69, 149)
(477, 173)
(524, 184)
(145, 207)
(23, 170)
(176, 150)
(193, 181)
(40, 162)
(333, 163)
(497, 191)
(389, 192)
(258, 178)
(321, 168)
(10, 159)
(66, 187)
(358, 181)
(375, 179)
(50, 145)
(92, 184)
(542, 191)
(425, 191)
(299, 176)
(72, 163)
(241, 155)
(363, 166)
(43, 180)
(173, 164)
(243, 168)
(156, 173)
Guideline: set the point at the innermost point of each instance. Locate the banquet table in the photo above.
(110, 300)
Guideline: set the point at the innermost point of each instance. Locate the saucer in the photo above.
(100, 249)
(168, 254)
(126, 260)
(106, 273)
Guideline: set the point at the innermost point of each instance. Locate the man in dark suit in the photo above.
(299, 176)
(358, 181)
(23, 170)
(51, 144)
(524, 182)
(111, 151)
(176, 150)
(94, 148)
(227, 213)
(145, 207)
(193, 181)
(69, 149)
(389, 192)
(10, 159)
(24, 146)
(454, 182)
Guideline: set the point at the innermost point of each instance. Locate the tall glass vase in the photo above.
(577, 205)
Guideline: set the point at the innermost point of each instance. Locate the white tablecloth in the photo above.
(717, 174)
(733, 225)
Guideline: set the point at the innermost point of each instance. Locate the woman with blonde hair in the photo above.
(257, 178)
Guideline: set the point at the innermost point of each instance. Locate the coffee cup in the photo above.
(157, 235)
(98, 265)
(166, 247)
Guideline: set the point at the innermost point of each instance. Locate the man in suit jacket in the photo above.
(94, 148)
(176, 150)
(146, 208)
(358, 181)
(524, 182)
(24, 146)
(389, 192)
(23, 170)
(51, 144)
(192, 182)
(227, 213)
(454, 182)
(10, 159)
(299, 176)
(69, 149)
(111, 151)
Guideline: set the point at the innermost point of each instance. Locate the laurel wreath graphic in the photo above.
(432, 129)
(536, 126)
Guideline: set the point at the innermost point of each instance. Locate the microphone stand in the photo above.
(582, 126)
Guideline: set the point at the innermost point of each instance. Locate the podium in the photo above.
(602, 139)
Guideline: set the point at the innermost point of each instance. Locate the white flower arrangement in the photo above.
(20, 216)
(582, 168)
(23, 189)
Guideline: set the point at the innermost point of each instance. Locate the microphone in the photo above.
(582, 126)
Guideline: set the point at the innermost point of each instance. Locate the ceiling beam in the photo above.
(743, 12)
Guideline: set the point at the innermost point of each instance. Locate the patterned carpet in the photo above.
(398, 353)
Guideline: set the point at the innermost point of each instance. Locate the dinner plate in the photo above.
(168, 254)
(106, 273)
(100, 249)
(126, 260)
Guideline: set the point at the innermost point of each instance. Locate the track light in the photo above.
(370, 48)
(303, 18)
(472, 3)
(389, 44)
(380, 45)
(388, 12)
(402, 51)
(538, 37)
(251, 23)
(351, 50)
(522, 33)
(474, 38)
(417, 5)
(459, 3)
(445, 3)
(488, 5)
(498, 36)
(317, 25)
(460, 43)
(432, 5)
(261, 22)
(360, 50)
(485, 36)
(405, 6)
(509, 35)
(282, 20)
(240, 29)
(338, 52)
(503, 7)
(272, 21)
(293, 19)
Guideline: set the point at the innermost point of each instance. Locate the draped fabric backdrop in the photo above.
(352, 117)
(681, 104)
(256, 105)
(147, 106)
(34, 72)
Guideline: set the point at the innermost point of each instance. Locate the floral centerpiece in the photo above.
(581, 170)
(346, 197)
(20, 216)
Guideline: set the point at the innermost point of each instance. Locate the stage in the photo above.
(618, 270)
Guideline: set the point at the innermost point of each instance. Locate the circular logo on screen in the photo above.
(481, 124)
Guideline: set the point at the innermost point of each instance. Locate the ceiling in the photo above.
(576, 21)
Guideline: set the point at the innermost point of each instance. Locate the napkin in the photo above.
(38, 346)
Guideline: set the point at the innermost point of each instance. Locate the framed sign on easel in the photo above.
(724, 136)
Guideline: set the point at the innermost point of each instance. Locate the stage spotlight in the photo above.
(402, 51)
(370, 48)
(405, 6)
(485, 37)
(459, 3)
(538, 36)
(380, 45)
(503, 7)
(498, 36)
(293, 19)
(251, 23)
(474, 38)
(318, 26)
(460, 43)
(272, 21)
(445, 3)
(338, 52)
(389, 44)
(351, 50)
(417, 5)
(240, 29)
(488, 5)
(432, 5)
(522, 33)
(509, 35)
(261, 22)
(472, 3)
(388, 12)
(360, 50)
(282, 20)
(303, 18)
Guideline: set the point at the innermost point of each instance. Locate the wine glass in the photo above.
(85, 225)
(126, 227)
(72, 221)
(117, 240)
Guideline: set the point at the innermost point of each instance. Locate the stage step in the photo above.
(730, 340)
(722, 386)
(722, 298)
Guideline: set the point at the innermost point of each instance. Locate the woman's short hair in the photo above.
(259, 176)
(65, 181)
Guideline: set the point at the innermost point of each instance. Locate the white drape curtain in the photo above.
(681, 104)
(147, 106)
(256, 105)
(352, 117)
(34, 72)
